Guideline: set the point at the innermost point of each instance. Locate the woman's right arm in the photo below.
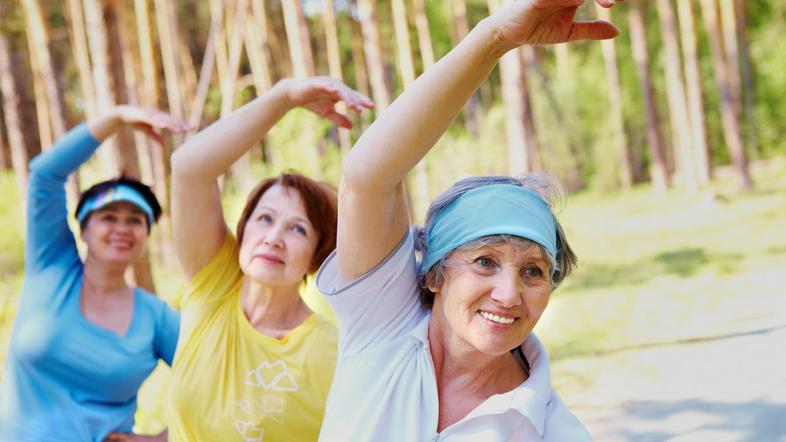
(197, 216)
(48, 237)
(373, 215)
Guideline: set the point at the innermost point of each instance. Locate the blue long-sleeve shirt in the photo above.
(66, 378)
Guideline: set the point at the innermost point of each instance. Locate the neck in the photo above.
(460, 367)
(102, 277)
(273, 310)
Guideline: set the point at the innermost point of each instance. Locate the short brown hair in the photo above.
(320, 202)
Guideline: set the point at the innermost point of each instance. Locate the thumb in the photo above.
(593, 30)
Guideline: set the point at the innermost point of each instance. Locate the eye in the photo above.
(533, 271)
(265, 218)
(108, 216)
(300, 229)
(136, 220)
(485, 263)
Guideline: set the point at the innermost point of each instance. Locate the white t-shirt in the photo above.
(385, 388)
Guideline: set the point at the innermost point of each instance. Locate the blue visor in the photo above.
(120, 192)
(499, 209)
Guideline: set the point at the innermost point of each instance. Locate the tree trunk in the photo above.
(56, 110)
(206, 71)
(729, 30)
(460, 30)
(9, 89)
(731, 128)
(510, 73)
(78, 36)
(361, 74)
(528, 61)
(167, 39)
(258, 47)
(334, 64)
(424, 35)
(638, 35)
(297, 36)
(372, 46)
(615, 105)
(694, 89)
(749, 94)
(683, 140)
(278, 46)
(418, 181)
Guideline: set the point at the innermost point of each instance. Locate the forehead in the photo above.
(509, 249)
(282, 199)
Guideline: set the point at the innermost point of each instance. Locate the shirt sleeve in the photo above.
(378, 306)
(215, 280)
(168, 332)
(48, 237)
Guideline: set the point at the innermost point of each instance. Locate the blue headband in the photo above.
(499, 209)
(119, 192)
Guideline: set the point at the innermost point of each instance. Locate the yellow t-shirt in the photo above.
(232, 383)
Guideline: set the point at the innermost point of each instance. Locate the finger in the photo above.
(339, 119)
(593, 30)
(155, 136)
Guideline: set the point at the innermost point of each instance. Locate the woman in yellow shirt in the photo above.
(253, 362)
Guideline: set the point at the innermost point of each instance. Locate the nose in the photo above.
(508, 289)
(274, 236)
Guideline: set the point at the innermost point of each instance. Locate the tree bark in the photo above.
(694, 89)
(749, 94)
(528, 61)
(360, 72)
(78, 36)
(334, 64)
(510, 73)
(460, 30)
(658, 162)
(731, 48)
(615, 105)
(297, 36)
(12, 102)
(683, 140)
(258, 47)
(731, 128)
(372, 46)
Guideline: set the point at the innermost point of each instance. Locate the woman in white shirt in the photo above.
(441, 347)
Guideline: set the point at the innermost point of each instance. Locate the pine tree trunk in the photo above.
(615, 105)
(731, 48)
(297, 36)
(528, 61)
(510, 73)
(658, 163)
(749, 94)
(731, 128)
(359, 69)
(460, 29)
(372, 46)
(206, 70)
(78, 36)
(258, 47)
(334, 64)
(12, 102)
(683, 140)
(694, 89)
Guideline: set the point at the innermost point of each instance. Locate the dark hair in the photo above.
(321, 206)
(103, 186)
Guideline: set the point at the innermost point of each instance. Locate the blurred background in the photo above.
(671, 141)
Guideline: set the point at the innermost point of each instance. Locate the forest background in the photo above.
(670, 139)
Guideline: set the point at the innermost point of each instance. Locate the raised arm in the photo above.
(372, 206)
(199, 226)
(48, 236)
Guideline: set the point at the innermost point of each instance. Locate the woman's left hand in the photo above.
(131, 437)
(320, 95)
(152, 122)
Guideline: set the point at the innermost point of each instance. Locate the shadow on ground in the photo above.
(701, 420)
(682, 263)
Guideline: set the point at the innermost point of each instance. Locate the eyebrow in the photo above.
(299, 218)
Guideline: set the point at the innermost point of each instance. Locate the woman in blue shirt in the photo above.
(83, 339)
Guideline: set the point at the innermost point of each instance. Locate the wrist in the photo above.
(492, 38)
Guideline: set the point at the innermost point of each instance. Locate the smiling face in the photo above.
(278, 240)
(492, 296)
(116, 233)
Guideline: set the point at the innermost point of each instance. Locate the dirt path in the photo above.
(727, 387)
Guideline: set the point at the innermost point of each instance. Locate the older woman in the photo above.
(445, 351)
(253, 362)
(84, 340)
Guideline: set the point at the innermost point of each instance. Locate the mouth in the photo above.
(121, 244)
(497, 319)
(270, 259)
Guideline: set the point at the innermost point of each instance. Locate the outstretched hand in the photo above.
(152, 122)
(321, 94)
(538, 22)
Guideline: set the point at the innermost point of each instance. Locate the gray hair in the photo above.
(547, 186)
